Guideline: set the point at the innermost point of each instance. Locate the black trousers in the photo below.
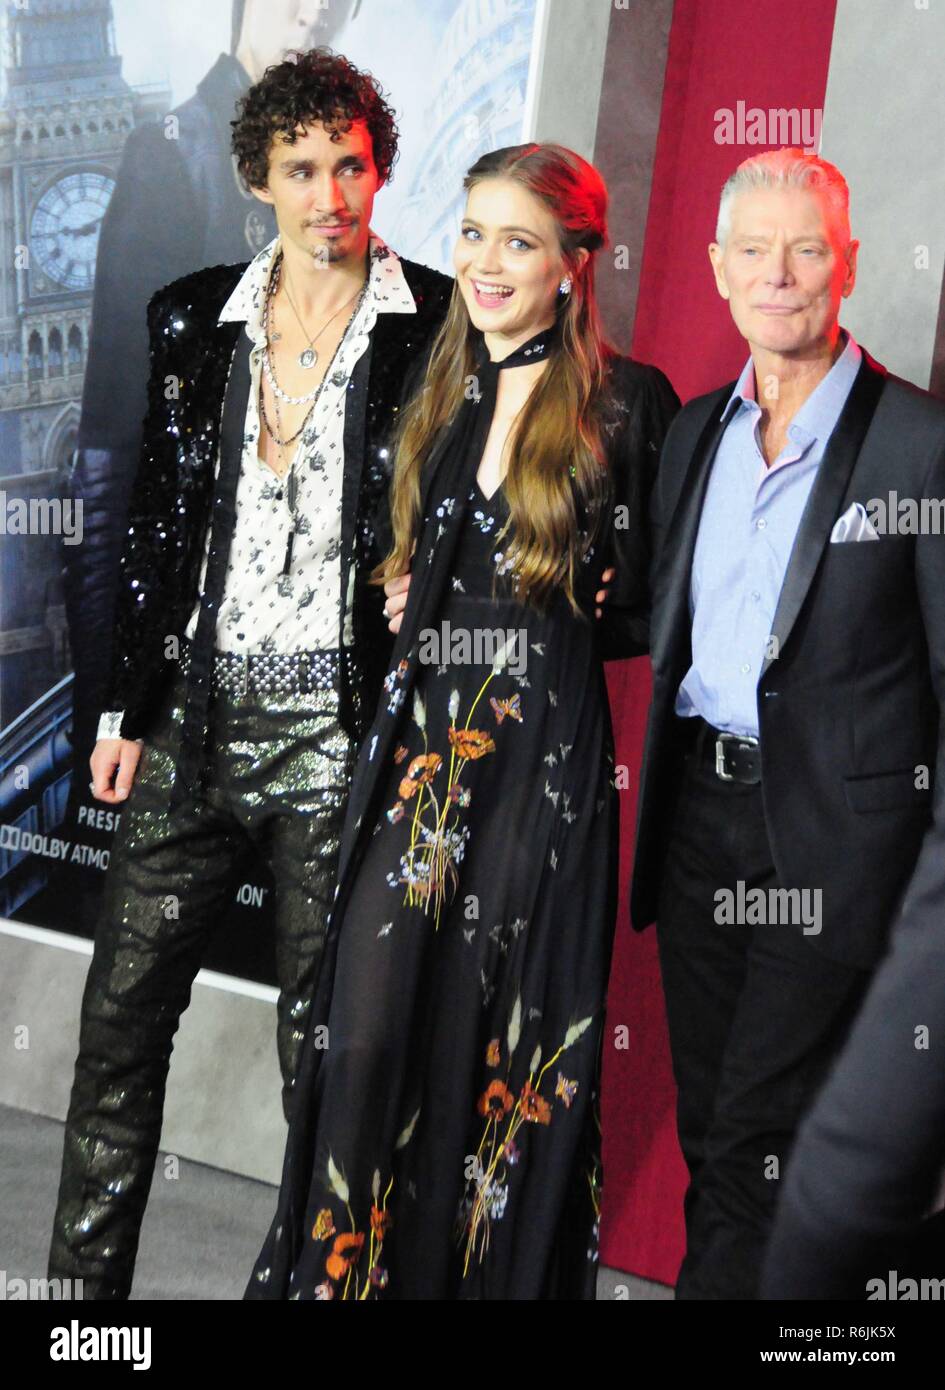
(756, 1014)
(278, 775)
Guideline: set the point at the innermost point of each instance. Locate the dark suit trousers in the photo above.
(277, 777)
(756, 1014)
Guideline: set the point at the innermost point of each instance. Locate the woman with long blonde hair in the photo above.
(445, 1142)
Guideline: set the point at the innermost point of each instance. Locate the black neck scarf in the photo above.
(464, 439)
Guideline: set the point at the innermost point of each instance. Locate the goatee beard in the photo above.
(326, 255)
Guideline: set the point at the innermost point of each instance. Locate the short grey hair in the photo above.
(785, 168)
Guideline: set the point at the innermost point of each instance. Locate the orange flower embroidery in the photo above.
(534, 1107)
(496, 1100)
(471, 743)
(324, 1225)
(380, 1222)
(344, 1254)
(423, 767)
(492, 1053)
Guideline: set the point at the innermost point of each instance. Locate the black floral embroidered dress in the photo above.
(446, 1137)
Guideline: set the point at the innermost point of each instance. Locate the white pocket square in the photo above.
(854, 525)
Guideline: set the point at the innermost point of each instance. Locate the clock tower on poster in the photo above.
(65, 112)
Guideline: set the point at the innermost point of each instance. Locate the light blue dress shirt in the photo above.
(746, 533)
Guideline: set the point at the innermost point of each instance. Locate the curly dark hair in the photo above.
(311, 85)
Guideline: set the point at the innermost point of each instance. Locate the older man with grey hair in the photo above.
(789, 811)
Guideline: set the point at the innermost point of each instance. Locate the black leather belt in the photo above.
(732, 757)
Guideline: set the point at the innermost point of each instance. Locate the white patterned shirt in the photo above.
(263, 610)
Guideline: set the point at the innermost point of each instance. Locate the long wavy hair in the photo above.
(556, 476)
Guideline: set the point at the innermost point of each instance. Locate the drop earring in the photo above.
(565, 286)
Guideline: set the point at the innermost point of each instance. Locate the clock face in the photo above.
(65, 228)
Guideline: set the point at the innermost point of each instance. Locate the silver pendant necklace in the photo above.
(271, 337)
(308, 356)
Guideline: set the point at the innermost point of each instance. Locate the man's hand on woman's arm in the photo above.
(601, 596)
(395, 601)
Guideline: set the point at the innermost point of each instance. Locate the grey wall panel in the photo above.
(567, 69)
(627, 128)
(224, 1089)
(884, 115)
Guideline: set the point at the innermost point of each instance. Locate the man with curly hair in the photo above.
(249, 646)
(178, 206)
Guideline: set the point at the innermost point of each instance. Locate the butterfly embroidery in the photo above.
(502, 931)
(511, 707)
(566, 1089)
(496, 936)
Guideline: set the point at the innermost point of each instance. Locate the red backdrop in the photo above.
(767, 55)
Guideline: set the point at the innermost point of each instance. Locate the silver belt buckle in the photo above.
(746, 739)
(720, 760)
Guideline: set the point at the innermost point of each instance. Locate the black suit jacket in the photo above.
(850, 710)
(197, 394)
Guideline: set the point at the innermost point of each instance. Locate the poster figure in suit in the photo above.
(179, 205)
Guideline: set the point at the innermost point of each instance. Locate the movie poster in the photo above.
(116, 177)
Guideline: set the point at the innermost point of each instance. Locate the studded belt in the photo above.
(272, 673)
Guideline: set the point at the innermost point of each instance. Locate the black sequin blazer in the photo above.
(199, 367)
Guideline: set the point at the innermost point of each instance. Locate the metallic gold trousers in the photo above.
(278, 774)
